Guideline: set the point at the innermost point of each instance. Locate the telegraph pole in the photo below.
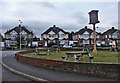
(93, 20)
(20, 31)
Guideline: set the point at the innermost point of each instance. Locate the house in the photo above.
(1, 42)
(36, 42)
(111, 35)
(1, 38)
(18, 35)
(55, 35)
(85, 36)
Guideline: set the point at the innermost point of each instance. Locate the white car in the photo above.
(67, 46)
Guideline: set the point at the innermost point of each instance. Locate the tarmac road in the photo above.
(8, 76)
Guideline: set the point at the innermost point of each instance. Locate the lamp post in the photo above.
(93, 20)
(20, 31)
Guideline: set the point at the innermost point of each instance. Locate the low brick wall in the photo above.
(93, 69)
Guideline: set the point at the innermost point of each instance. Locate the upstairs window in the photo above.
(114, 35)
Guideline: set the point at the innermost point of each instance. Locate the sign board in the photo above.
(93, 17)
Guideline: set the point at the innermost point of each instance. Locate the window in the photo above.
(24, 36)
(85, 36)
(109, 36)
(52, 35)
(61, 35)
(13, 36)
(85, 41)
(114, 36)
(98, 36)
(64, 42)
(92, 36)
(106, 36)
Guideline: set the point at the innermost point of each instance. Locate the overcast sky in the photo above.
(70, 16)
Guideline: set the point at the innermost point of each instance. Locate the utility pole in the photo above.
(20, 31)
(93, 20)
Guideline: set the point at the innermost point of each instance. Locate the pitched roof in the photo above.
(110, 31)
(17, 29)
(81, 31)
(55, 29)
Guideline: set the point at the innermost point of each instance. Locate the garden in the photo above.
(104, 56)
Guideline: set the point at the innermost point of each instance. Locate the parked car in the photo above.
(8, 47)
(98, 44)
(55, 46)
(67, 46)
(73, 45)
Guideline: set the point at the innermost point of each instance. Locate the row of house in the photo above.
(55, 35)
(82, 37)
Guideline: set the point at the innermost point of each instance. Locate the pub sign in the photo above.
(93, 17)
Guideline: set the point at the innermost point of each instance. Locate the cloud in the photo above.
(60, 0)
(80, 18)
(119, 14)
(47, 4)
(70, 16)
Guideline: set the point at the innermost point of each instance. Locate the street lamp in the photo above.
(20, 31)
(93, 20)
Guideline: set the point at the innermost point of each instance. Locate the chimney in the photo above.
(113, 28)
(54, 25)
(19, 25)
(85, 27)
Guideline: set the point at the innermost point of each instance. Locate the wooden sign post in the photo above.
(93, 20)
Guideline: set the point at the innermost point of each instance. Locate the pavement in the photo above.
(46, 74)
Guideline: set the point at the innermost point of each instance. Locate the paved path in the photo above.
(47, 74)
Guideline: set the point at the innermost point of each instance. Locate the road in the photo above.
(51, 75)
(9, 76)
(6, 74)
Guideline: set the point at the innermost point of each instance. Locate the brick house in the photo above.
(13, 36)
(55, 35)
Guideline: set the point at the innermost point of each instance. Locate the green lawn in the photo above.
(102, 56)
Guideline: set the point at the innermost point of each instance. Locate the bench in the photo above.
(64, 58)
(76, 57)
(52, 50)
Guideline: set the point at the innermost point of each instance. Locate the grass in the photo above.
(102, 56)
(106, 56)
